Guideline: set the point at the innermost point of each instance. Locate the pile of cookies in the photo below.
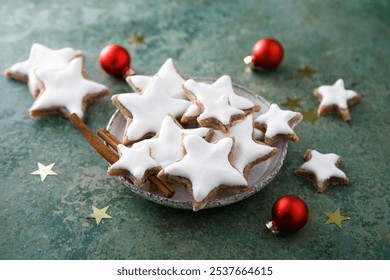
(199, 135)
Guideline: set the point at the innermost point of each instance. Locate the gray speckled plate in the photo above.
(259, 176)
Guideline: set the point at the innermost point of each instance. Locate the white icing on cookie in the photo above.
(207, 166)
(66, 89)
(218, 109)
(277, 121)
(166, 145)
(43, 57)
(222, 86)
(323, 166)
(136, 160)
(246, 150)
(192, 111)
(170, 78)
(336, 95)
(149, 108)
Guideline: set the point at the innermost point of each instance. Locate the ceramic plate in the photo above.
(259, 176)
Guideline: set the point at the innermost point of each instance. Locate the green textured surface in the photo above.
(46, 220)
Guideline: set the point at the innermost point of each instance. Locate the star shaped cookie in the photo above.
(322, 170)
(205, 169)
(247, 151)
(278, 124)
(223, 86)
(170, 78)
(40, 57)
(336, 98)
(135, 163)
(66, 91)
(146, 111)
(166, 145)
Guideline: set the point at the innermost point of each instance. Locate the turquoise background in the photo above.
(339, 39)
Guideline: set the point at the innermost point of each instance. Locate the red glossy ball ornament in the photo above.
(115, 60)
(267, 53)
(289, 214)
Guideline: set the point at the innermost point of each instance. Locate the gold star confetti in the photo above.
(310, 115)
(335, 218)
(44, 170)
(292, 103)
(99, 214)
(306, 72)
(137, 39)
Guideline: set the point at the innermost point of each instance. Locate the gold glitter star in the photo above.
(306, 72)
(310, 115)
(335, 218)
(99, 214)
(44, 170)
(137, 39)
(292, 103)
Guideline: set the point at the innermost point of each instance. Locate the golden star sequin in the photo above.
(292, 103)
(306, 72)
(99, 214)
(335, 218)
(137, 39)
(44, 170)
(310, 115)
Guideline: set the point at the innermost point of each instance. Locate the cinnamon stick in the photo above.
(113, 142)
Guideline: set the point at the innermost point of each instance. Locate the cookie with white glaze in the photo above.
(66, 91)
(336, 99)
(134, 163)
(40, 57)
(278, 124)
(322, 170)
(205, 169)
(145, 111)
(166, 145)
(247, 151)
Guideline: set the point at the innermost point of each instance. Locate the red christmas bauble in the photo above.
(115, 60)
(267, 53)
(289, 214)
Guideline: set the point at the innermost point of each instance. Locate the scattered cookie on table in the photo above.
(40, 57)
(205, 169)
(337, 99)
(134, 163)
(278, 124)
(322, 170)
(166, 146)
(66, 91)
(247, 152)
(146, 111)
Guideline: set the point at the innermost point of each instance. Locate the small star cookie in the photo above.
(170, 78)
(66, 91)
(322, 170)
(204, 169)
(336, 99)
(166, 145)
(146, 111)
(278, 124)
(247, 151)
(134, 163)
(40, 57)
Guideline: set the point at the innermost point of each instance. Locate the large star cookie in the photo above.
(135, 163)
(322, 170)
(278, 124)
(166, 145)
(40, 57)
(170, 78)
(247, 151)
(146, 111)
(66, 91)
(205, 169)
(336, 99)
